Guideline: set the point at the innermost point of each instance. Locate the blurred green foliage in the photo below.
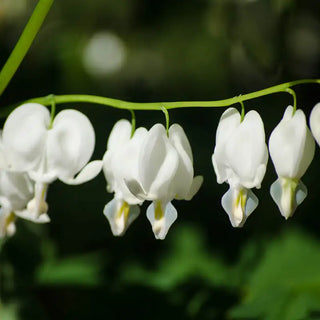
(74, 268)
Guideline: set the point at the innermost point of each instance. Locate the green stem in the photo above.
(133, 123)
(242, 111)
(166, 114)
(53, 110)
(289, 90)
(24, 42)
(169, 105)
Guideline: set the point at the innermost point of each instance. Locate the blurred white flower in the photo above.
(292, 149)
(120, 163)
(104, 54)
(315, 122)
(240, 158)
(48, 151)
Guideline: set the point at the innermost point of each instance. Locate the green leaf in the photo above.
(81, 270)
(187, 258)
(9, 311)
(286, 282)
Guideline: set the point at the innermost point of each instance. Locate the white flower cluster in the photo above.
(152, 165)
(35, 150)
(148, 165)
(240, 158)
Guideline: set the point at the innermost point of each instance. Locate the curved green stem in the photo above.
(24, 42)
(166, 113)
(294, 100)
(170, 105)
(133, 123)
(53, 110)
(243, 111)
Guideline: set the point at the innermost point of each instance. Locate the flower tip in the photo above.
(120, 215)
(239, 204)
(157, 228)
(288, 194)
(161, 218)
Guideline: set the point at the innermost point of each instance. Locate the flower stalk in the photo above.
(20, 50)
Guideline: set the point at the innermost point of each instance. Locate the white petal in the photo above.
(182, 181)
(119, 135)
(70, 143)
(16, 188)
(90, 171)
(37, 207)
(228, 123)
(120, 215)
(125, 166)
(158, 164)
(7, 221)
(3, 161)
(24, 136)
(291, 145)
(178, 138)
(161, 221)
(196, 184)
(288, 194)
(246, 150)
(315, 122)
(136, 189)
(239, 204)
(121, 162)
(30, 216)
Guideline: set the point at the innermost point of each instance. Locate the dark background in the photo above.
(73, 268)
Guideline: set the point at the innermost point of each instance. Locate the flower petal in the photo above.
(196, 184)
(16, 188)
(123, 165)
(291, 145)
(90, 171)
(7, 222)
(288, 194)
(161, 222)
(182, 181)
(120, 215)
(239, 204)
(228, 123)
(178, 138)
(315, 122)
(31, 216)
(119, 135)
(70, 143)
(246, 151)
(24, 136)
(158, 164)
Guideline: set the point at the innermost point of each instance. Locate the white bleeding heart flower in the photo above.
(120, 163)
(240, 158)
(292, 149)
(315, 122)
(49, 151)
(165, 173)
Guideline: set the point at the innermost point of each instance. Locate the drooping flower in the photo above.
(291, 149)
(240, 158)
(315, 122)
(165, 173)
(120, 163)
(48, 151)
